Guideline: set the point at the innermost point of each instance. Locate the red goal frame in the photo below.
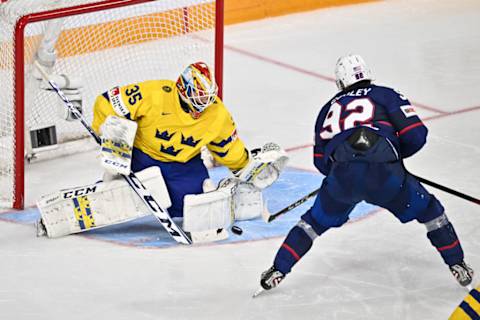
(19, 98)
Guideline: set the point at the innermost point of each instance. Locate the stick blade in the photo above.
(266, 214)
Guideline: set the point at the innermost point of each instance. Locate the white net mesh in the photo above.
(151, 40)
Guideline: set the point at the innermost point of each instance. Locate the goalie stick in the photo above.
(269, 217)
(161, 214)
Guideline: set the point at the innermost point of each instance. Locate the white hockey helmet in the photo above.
(197, 87)
(351, 69)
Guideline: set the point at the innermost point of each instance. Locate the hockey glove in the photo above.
(117, 136)
(264, 166)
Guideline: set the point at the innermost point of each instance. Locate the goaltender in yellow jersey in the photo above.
(165, 124)
(175, 120)
(166, 130)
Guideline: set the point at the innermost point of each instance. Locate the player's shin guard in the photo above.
(299, 240)
(442, 235)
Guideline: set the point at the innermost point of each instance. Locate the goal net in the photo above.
(100, 44)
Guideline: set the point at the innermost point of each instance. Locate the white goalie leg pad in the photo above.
(209, 235)
(98, 205)
(208, 215)
(210, 210)
(153, 181)
(247, 201)
(196, 207)
(265, 165)
(117, 139)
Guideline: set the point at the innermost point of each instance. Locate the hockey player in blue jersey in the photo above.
(361, 137)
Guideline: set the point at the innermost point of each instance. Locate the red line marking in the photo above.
(438, 116)
(279, 63)
(299, 147)
(313, 74)
(422, 106)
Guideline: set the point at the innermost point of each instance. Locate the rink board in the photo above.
(147, 232)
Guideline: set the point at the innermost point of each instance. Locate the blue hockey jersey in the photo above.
(382, 109)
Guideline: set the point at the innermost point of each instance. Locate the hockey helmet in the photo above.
(197, 87)
(351, 69)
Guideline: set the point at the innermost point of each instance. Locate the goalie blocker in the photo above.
(117, 137)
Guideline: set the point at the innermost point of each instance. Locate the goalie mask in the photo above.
(351, 69)
(197, 88)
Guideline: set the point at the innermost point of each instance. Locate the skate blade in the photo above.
(258, 292)
(472, 285)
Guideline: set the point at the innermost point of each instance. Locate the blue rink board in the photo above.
(147, 232)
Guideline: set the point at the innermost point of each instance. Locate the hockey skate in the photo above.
(269, 280)
(463, 273)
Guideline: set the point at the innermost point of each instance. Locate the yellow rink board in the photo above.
(171, 23)
(246, 10)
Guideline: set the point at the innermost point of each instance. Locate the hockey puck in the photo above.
(237, 230)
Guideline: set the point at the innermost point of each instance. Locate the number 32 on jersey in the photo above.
(360, 112)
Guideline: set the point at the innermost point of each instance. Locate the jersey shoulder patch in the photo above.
(115, 99)
(408, 111)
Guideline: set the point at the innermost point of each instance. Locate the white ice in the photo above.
(277, 75)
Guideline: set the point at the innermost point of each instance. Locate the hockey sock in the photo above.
(299, 240)
(446, 241)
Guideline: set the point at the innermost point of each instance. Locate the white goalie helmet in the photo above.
(351, 69)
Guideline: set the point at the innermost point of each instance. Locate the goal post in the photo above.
(102, 43)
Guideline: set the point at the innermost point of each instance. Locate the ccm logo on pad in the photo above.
(79, 192)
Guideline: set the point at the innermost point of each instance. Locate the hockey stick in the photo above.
(269, 217)
(161, 214)
(446, 189)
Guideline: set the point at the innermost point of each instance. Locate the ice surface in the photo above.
(278, 73)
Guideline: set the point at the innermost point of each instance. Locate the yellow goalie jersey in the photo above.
(165, 131)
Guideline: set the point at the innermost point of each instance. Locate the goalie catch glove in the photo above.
(117, 136)
(264, 166)
(71, 87)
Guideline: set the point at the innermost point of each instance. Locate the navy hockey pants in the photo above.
(180, 178)
(378, 181)
(387, 185)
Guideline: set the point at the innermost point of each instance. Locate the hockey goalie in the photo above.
(158, 129)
